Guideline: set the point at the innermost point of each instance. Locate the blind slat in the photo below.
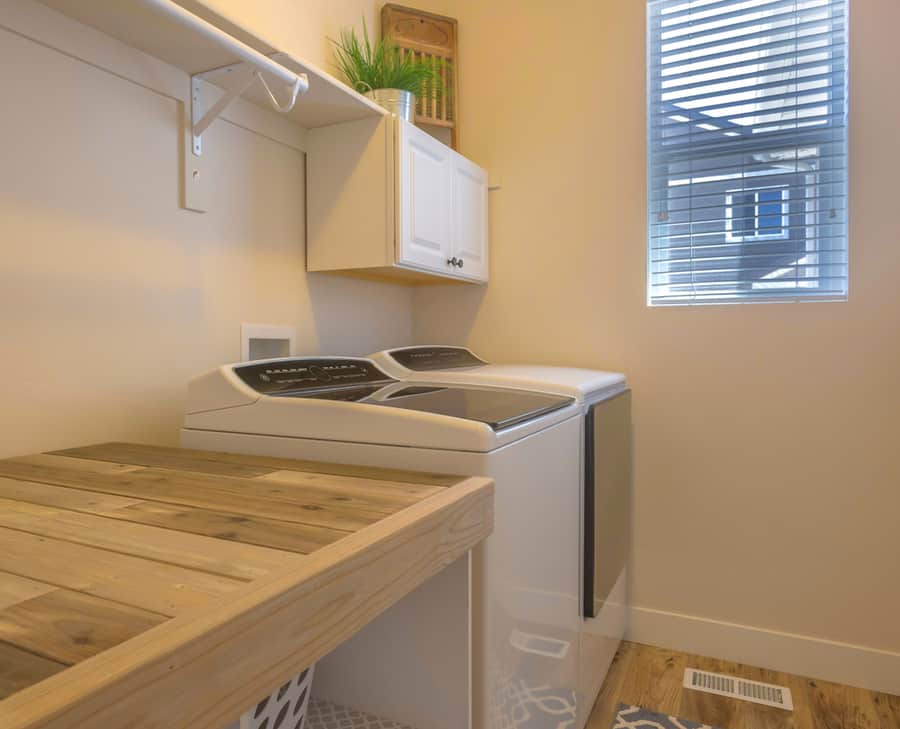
(834, 94)
(755, 84)
(738, 264)
(799, 28)
(710, 287)
(695, 14)
(703, 160)
(735, 264)
(671, 63)
(758, 143)
(693, 135)
(681, 187)
(789, 59)
(700, 250)
(677, 242)
(811, 34)
(753, 77)
(747, 151)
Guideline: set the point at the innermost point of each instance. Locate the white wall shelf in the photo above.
(139, 24)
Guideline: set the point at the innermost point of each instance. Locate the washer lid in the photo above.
(351, 379)
(353, 400)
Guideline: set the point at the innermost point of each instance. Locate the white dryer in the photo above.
(459, 365)
(525, 617)
(605, 467)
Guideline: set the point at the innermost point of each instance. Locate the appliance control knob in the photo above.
(319, 373)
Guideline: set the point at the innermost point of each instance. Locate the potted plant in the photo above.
(383, 73)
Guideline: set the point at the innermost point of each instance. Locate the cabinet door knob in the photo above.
(459, 262)
(452, 261)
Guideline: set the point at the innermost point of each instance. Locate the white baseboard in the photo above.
(802, 655)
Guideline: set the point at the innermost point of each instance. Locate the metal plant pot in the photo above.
(396, 101)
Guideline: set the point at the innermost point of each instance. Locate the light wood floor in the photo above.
(651, 677)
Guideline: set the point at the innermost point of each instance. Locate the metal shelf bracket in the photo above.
(244, 76)
(251, 66)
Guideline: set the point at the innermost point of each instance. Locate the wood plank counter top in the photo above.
(155, 588)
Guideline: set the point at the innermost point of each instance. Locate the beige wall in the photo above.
(111, 296)
(302, 27)
(767, 458)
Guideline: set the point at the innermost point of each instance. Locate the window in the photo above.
(757, 214)
(747, 151)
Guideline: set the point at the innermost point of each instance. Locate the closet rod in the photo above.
(244, 52)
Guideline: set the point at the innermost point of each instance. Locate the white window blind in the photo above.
(747, 150)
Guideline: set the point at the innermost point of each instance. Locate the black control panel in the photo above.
(296, 376)
(422, 359)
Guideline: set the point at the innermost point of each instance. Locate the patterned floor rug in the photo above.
(325, 715)
(636, 717)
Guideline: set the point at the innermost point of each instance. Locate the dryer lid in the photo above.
(459, 366)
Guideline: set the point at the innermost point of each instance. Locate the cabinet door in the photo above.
(470, 236)
(425, 195)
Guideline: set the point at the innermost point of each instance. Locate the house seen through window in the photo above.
(747, 151)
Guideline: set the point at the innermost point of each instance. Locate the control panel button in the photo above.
(435, 358)
(296, 375)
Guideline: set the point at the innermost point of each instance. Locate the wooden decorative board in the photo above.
(151, 587)
(433, 39)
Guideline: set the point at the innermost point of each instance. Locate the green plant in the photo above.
(367, 66)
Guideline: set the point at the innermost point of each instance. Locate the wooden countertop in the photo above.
(150, 587)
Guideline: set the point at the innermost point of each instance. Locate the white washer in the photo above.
(606, 479)
(526, 626)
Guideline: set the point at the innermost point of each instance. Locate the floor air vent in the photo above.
(738, 688)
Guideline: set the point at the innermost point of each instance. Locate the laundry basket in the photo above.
(285, 708)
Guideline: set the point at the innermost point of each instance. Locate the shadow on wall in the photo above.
(71, 380)
(364, 327)
(448, 313)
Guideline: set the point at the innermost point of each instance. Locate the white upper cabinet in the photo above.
(425, 191)
(387, 200)
(470, 246)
